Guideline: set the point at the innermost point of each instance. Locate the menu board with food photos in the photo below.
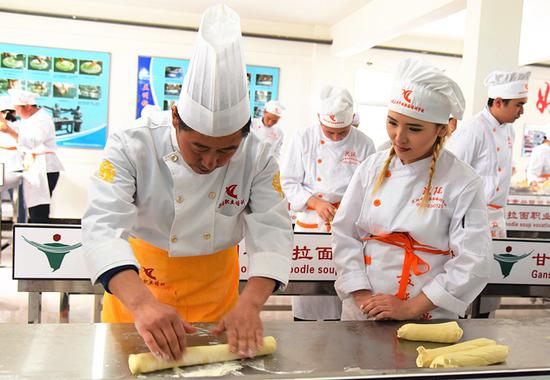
(160, 81)
(72, 85)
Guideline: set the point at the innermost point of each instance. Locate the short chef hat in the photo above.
(335, 107)
(275, 107)
(214, 97)
(508, 84)
(424, 92)
(22, 98)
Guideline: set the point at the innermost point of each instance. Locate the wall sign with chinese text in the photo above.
(160, 81)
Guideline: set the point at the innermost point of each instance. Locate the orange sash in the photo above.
(411, 261)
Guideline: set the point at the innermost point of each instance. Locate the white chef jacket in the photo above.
(146, 190)
(317, 166)
(37, 150)
(538, 169)
(486, 145)
(455, 220)
(272, 135)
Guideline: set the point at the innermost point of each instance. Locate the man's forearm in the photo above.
(257, 291)
(129, 289)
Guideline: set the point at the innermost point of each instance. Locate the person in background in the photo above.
(486, 142)
(538, 168)
(315, 172)
(356, 120)
(267, 130)
(411, 238)
(35, 136)
(174, 195)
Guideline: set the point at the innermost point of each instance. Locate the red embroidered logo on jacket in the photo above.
(407, 95)
(435, 200)
(350, 157)
(231, 192)
(149, 272)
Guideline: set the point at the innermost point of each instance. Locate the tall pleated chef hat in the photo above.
(5, 103)
(424, 92)
(21, 97)
(214, 97)
(275, 107)
(335, 107)
(508, 84)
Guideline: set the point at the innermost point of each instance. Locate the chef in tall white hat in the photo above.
(34, 135)
(171, 201)
(266, 127)
(486, 141)
(315, 172)
(411, 238)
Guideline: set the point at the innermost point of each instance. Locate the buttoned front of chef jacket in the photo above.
(487, 145)
(272, 135)
(313, 165)
(145, 189)
(455, 220)
(538, 169)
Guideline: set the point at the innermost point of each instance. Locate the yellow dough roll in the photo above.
(146, 362)
(448, 332)
(476, 357)
(426, 356)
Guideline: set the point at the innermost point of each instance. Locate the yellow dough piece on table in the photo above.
(448, 332)
(476, 357)
(146, 362)
(426, 356)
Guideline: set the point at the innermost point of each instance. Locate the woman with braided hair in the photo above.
(411, 238)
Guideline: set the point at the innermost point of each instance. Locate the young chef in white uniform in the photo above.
(36, 146)
(316, 170)
(266, 129)
(538, 169)
(486, 141)
(411, 238)
(173, 197)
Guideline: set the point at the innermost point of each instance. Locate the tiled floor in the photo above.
(14, 305)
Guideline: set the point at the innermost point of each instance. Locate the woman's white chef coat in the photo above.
(37, 149)
(145, 189)
(455, 220)
(538, 169)
(272, 135)
(316, 166)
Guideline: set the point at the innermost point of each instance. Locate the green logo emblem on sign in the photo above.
(55, 252)
(507, 260)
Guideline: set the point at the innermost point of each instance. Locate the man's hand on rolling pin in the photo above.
(324, 209)
(162, 329)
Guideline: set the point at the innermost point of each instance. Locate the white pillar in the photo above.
(491, 42)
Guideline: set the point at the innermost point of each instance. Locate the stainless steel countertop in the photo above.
(305, 349)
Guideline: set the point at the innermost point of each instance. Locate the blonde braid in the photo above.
(435, 155)
(382, 176)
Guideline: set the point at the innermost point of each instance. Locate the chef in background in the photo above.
(317, 168)
(35, 136)
(411, 238)
(174, 195)
(538, 168)
(266, 127)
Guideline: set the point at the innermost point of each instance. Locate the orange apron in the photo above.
(315, 225)
(201, 288)
(411, 261)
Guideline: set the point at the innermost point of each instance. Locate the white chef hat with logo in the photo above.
(22, 98)
(424, 92)
(507, 84)
(5, 103)
(335, 107)
(214, 97)
(275, 107)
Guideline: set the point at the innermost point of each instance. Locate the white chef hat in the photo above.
(275, 107)
(335, 107)
(507, 84)
(214, 97)
(424, 92)
(22, 98)
(5, 103)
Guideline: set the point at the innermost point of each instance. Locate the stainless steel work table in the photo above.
(305, 350)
